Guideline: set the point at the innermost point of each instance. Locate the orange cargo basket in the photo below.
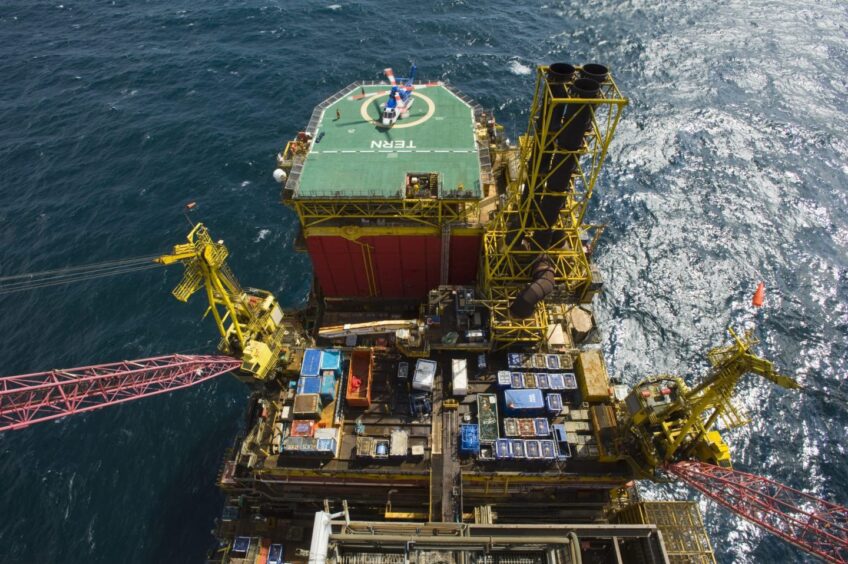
(359, 378)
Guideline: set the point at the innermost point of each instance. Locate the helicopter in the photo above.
(400, 98)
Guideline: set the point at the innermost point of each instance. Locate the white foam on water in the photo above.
(518, 68)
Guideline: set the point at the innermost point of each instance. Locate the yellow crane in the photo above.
(250, 321)
(668, 421)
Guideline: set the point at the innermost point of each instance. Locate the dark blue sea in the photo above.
(729, 167)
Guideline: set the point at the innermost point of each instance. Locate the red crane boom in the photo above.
(32, 398)
(810, 523)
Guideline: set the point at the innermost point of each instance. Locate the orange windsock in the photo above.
(759, 295)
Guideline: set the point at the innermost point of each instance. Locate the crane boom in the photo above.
(42, 396)
(812, 524)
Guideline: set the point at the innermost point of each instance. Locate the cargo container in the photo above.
(275, 554)
(364, 447)
(526, 427)
(308, 385)
(592, 377)
(331, 359)
(487, 417)
(504, 379)
(559, 432)
(425, 374)
(533, 449)
(302, 428)
(523, 401)
(240, 547)
(459, 373)
(327, 389)
(503, 449)
(542, 427)
(563, 450)
(510, 427)
(326, 433)
(399, 446)
(517, 448)
(358, 393)
(326, 446)
(311, 365)
(552, 361)
(513, 360)
(548, 450)
(469, 439)
(542, 381)
(517, 379)
(569, 381)
(292, 444)
(307, 406)
(554, 403)
(540, 361)
(529, 380)
(556, 381)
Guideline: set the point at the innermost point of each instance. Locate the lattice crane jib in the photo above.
(573, 117)
(671, 421)
(812, 524)
(251, 322)
(44, 396)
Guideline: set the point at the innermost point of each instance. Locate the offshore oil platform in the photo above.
(443, 397)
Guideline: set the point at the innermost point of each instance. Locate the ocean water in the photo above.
(729, 167)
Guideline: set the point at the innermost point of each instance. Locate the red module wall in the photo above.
(402, 266)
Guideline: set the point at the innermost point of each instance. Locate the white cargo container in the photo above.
(459, 370)
(425, 373)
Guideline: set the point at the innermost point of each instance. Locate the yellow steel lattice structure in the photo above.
(314, 212)
(510, 242)
(682, 527)
(205, 267)
(251, 322)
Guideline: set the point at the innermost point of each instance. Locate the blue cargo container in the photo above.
(469, 439)
(327, 389)
(514, 360)
(517, 380)
(523, 401)
(559, 432)
(543, 429)
(326, 446)
(308, 385)
(548, 450)
(331, 359)
(275, 554)
(503, 448)
(311, 365)
(517, 448)
(554, 403)
(563, 450)
(556, 381)
(570, 381)
(542, 382)
(533, 449)
(552, 361)
(504, 379)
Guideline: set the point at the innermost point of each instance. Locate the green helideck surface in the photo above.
(352, 156)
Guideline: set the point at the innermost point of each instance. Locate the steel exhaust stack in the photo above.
(577, 120)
